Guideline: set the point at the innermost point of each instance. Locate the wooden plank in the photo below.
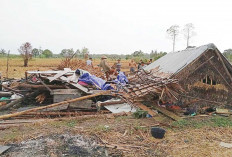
(167, 113)
(5, 94)
(52, 105)
(66, 70)
(77, 85)
(145, 108)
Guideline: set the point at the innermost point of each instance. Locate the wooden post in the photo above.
(7, 64)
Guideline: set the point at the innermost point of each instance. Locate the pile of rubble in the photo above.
(61, 93)
(75, 63)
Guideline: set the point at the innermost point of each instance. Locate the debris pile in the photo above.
(80, 64)
(143, 84)
(68, 93)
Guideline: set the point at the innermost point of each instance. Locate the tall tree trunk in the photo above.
(174, 40)
(25, 62)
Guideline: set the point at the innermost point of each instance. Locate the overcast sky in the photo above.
(112, 26)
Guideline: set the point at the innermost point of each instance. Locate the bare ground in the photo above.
(131, 137)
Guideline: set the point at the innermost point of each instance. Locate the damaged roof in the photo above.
(173, 62)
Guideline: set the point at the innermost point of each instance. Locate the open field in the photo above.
(196, 136)
(16, 69)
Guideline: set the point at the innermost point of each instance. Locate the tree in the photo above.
(138, 53)
(156, 55)
(67, 53)
(35, 52)
(85, 52)
(228, 54)
(188, 32)
(25, 51)
(2, 52)
(47, 53)
(173, 31)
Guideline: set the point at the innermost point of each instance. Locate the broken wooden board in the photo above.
(57, 108)
(167, 113)
(77, 85)
(66, 70)
(145, 108)
(3, 149)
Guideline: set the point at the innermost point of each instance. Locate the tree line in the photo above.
(27, 52)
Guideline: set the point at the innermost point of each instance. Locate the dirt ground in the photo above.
(131, 136)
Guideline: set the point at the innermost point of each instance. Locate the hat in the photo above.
(104, 57)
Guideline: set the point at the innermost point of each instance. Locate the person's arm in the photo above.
(92, 64)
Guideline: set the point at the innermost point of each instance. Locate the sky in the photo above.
(113, 26)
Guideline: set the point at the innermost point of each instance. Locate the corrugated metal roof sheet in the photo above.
(176, 61)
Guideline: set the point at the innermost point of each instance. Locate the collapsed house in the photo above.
(203, 72)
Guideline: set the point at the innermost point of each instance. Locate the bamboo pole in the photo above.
(52, 105)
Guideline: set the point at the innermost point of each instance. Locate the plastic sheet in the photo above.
(93, 80)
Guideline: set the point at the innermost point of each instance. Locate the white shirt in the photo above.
(89, 62)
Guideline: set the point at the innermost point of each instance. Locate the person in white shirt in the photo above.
(89, 62)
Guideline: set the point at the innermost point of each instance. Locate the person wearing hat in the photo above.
(132, 66)
(104, 65)
(118, 66)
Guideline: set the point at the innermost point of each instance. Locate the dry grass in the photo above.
(16, 69)
(185, 141)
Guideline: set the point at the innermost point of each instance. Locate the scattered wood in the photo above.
(11, 104)
(101, 104)
(5, 94)
(50, 113)
(25, 85)
(52, 105)
(145, 108)
(167, 113)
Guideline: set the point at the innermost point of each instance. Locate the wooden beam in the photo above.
(52, 105)
(5, 94)
(77, 85)
(167, 113)
(100, 104)
(24, 85)
(145, 108)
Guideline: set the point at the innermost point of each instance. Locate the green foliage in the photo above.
(221, 121)
(35, 52)
(71, 123)
(2, 52)
(140, 114)
(47, 54)
(215, 121)
(84, 52)
(138, 54)
(67, 52)
(228, 54)
(156, 55)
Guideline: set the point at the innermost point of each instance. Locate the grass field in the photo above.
(16, 69)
